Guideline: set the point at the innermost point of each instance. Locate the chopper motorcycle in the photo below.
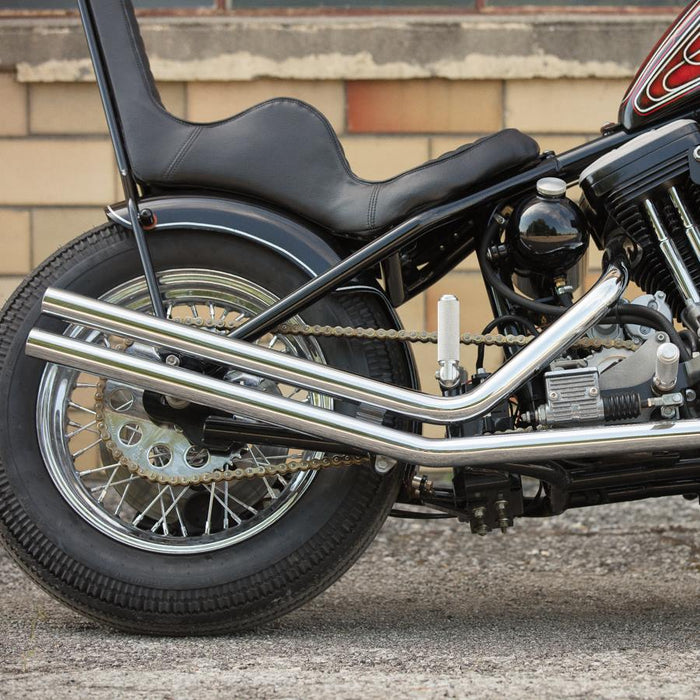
(210, 406)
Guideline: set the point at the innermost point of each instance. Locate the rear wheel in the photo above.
(175, 559)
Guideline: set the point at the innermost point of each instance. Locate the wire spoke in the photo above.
(225, 507)
(207, 526)
(163, 519)
(142, 514)
(269, 489)
(123, 498)
(162, 510)
(82, 428)
(78, 407)
(250, 509)
(114, 483)
(82, 451)
(227, 512)
(183, 529)
(166, 513)
(101, 497)
(87, 472)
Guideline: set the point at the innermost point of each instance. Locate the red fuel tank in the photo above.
(668, 81)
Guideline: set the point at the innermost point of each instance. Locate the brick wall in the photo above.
(57, 168)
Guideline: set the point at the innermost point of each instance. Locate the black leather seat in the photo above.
(283, 151)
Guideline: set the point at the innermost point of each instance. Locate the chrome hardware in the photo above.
(531, 360)
(691, 230)
(551, 187)
(498, 449)
(573, 397)
(668, 404)
(502, 512)
(666, 373)
(383, 465)
(656, 302)
(450, 372)
(680, 273)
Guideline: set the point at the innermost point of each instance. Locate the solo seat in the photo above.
(283, 151)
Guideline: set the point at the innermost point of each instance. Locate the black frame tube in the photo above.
(567, 165)
(119, 144)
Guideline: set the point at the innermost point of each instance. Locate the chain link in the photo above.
(488, 339)
(296, 329)
(426, 337)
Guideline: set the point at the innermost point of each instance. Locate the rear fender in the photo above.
(303, 246)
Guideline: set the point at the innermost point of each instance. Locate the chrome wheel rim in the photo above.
(142, 514)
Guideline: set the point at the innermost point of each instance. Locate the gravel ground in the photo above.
(596, 603)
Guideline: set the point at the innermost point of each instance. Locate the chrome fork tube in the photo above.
(495, 450)
(327, 380)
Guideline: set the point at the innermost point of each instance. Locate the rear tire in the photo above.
(231, 588)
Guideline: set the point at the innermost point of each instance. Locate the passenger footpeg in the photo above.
(450, 373)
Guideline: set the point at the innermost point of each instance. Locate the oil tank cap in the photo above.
(551, 187)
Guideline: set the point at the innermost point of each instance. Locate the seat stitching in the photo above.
(184, 150)
(370, 210)
(374, 205)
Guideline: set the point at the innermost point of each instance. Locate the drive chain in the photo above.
(295, 329)
(402, 336)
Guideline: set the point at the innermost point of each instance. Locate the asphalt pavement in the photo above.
(597, 603)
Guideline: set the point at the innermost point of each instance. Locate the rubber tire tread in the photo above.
(226, 608)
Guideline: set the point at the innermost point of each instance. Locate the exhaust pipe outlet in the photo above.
(485, 450)
(327, 380)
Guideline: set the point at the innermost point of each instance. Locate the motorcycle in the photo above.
(210, 405)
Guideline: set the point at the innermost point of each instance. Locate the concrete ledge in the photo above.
(459, 48)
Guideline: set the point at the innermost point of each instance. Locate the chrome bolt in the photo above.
(696, 154)
(690, 395)
(660, 337)
(383, 465)
(668, 411)
(553, 395)
(502, 509)
(593, 391)
(479, 515)
(172, 360)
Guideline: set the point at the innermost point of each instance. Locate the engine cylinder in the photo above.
(619, 188)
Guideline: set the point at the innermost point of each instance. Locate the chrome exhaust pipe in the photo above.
(482, 450)
(326, 380)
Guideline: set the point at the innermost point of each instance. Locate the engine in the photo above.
(645, 197)
(644, 191)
